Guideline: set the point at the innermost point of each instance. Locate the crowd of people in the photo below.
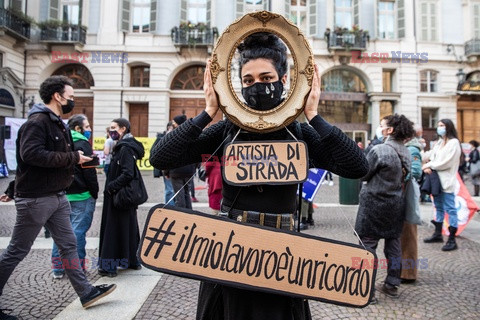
(56, 184)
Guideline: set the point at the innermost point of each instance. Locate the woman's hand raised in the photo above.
(210, 95)
(311, 107)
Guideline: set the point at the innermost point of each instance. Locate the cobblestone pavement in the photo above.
(448, 288)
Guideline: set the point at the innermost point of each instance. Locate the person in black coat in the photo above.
(263, 63)
(119, 232)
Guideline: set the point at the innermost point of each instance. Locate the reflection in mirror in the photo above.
(260, 71)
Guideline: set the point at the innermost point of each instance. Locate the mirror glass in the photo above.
(236, 83)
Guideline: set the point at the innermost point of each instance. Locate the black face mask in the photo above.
(68, 107)
(263, 96)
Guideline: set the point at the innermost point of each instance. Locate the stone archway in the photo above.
(82, 79)
(344, 102)
(189, 78)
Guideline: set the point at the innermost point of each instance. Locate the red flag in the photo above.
(466, 207)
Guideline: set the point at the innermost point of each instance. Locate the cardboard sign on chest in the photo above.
(265, 162)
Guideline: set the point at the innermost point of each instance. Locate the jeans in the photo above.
(168, 190)
(393, 253)
(182, 200)
(81, 218)
(32, 214)
(446, 202)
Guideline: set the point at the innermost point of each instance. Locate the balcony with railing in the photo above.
(194, 36)
(472, 48)
(341, 39)
(14, 25)
(52, 33)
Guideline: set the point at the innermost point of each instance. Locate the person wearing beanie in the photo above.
(178, 120)
(181, 176)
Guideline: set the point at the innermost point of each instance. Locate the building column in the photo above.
(375, 116)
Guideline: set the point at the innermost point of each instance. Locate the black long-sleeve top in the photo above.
(328, 148)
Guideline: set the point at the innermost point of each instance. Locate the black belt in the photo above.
(273, 220)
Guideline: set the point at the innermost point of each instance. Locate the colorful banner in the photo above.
(466, 207)
(143, 164)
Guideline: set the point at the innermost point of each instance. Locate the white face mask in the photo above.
(379, 133)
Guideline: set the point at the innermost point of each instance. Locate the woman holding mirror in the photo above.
(263, 72)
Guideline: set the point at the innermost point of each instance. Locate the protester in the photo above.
(378, 140)
(119, 233)
(381, 209)
(81, 194)
(181, 176)
(166, 181)
(474, 166)
(444, 159)
(328, 178)
(107, 151)
(45, 167)
(409, 238)
(213, 172)
(263, 62)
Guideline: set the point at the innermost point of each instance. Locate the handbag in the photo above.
(133, 194)
(412, 207)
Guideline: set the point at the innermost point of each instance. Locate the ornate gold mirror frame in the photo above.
(301, 74)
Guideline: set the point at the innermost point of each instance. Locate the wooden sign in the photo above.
(265, 162)
(191, 244)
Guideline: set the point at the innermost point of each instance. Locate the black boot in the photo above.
(437, 235)
(451, 244)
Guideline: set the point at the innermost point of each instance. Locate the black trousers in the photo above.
(393, 253)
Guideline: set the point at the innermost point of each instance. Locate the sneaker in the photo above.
(58, 275)
(373, 301)
(389, 290)
(97, 293)
(194, 199)
(330, 183)
(4, 316)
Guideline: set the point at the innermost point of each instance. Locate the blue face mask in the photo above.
(441, 131)
(87, 134)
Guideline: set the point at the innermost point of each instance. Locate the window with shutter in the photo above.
(197, 11)
(344, 13)
(141, 16)
(298, 14)
(287, 9)
(255, 5)
(71, 12)
(428, 81)
(153, 15)
(125, 15)
(53, 12)
(356, 13)
(312, 18)
(209, 13)
(401, 18)
(183, 10)
(476, 20)
(240, 8)
(16, 5)
(386, 20)
(428, 21)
